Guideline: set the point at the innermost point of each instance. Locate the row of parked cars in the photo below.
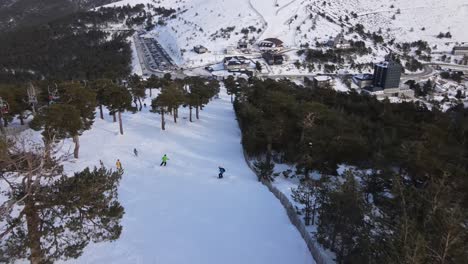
(156, 56)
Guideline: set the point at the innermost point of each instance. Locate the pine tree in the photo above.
(306, 194)
(117, 99)
(99, 87)
(138, 90)
(58, 121)
(54, 216)
(84, 100)
(152, 82)
(264, 169)
(231, 86)
(175, 99)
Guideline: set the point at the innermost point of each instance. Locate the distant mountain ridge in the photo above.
(17, 13)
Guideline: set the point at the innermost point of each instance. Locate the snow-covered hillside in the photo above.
(183, 213)
(405, 20)
(218, 24)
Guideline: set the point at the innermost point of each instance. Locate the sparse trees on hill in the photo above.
(198, 93)
(117, 99)
(151, 83)
(444, 35)
(99, 87)
(170, 98)
(231, 86)
(138, 90)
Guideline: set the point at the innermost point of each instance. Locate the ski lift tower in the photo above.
(53, 94)
(4, 109)
(32, 97)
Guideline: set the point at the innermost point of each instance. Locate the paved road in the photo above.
(428, 71)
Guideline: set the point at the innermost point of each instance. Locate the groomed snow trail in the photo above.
(182, 213)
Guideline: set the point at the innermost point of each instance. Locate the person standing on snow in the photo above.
(221, 171)
(164, 160)
(118, 164)
(135, 151)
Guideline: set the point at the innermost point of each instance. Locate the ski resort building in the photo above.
(242, 44)
(341, 43)
(318, 82)
(230, 50)
(270, 44)
(363, 80)
(460, 50)
(236, 63)
(322, 81)
(200, 49)
(385, 82)
(387, 75)
(272, 58)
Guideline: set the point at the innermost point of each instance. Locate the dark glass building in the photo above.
(387, 75)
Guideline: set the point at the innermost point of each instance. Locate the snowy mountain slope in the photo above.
(300, 22)
(434, 16)
(182, 213)
(215, 24)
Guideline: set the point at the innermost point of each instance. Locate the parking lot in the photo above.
(154, 56)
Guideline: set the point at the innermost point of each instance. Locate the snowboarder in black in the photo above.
(135, 151)
(221, 171)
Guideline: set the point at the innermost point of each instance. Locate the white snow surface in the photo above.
(136, 65)
(283, 17)
(183, 213)
(302, 22)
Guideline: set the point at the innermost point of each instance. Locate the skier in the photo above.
(135, 151)
(144, 105)
(118, 164)
(221, 171)
(101, 163)
(164, 160)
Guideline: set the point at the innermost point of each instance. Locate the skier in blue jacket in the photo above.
(221, 171)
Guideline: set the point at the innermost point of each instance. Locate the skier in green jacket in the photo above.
(164, 160)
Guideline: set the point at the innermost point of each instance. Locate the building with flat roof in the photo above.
(363, 80)
(242, 44)
(320, 81)
(200, 49)
(387, 75)
(236, 63)
(460, 50)
(272, 58)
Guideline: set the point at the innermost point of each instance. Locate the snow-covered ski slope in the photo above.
(182, 213)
